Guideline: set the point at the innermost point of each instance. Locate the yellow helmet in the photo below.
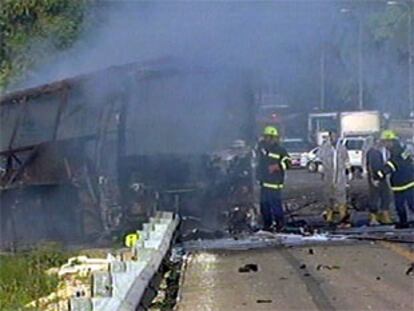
(388, 135)
(271, 131)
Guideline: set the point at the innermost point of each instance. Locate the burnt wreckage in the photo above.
(90, 156)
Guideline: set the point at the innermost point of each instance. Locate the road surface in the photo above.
(356, 276)
(364, 276)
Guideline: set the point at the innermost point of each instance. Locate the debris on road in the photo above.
(263, 239)
(249, 268)
(410, 270)
(201, 234)
(327, 267)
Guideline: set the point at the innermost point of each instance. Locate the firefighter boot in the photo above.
(343, 212)
(385, 218)
(328, 215)
(344, 216)
(374, 219)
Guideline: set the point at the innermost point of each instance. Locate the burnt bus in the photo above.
(81, 156)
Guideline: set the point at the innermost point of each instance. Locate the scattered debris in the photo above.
(310, 251)
(327, 267)
(378, 278)
(263, 239)
(306, 274)
(283, 278)
(249, 268)
(264, 301)
(83, 266)
(202, 234)
(303, 266)
(410, 270)
(168, 289)
(74, 280)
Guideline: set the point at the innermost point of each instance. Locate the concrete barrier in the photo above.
(129, 279)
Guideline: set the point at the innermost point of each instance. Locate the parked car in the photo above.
(311, 161)
(295, 147)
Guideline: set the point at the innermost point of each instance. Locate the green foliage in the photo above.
(32, 29)
(391, 25)
(23, 278)
(385, 34)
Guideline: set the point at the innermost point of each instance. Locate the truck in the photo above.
(319, 126)
(352, 126)
(355, 126)
(359, 123)
(350, 123)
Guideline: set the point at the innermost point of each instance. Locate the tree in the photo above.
(32, 29)
(389, 32)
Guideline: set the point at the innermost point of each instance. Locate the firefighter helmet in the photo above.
(388, 135)
(271, 131)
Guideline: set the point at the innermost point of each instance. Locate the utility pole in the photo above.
(360, 58)
(360, 70)
(410, 58)
(322, 80)
(410, 42)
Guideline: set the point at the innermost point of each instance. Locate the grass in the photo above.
(23, 278)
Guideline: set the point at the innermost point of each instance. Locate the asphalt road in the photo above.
(358, 276)
(306, 189)
(301, 182)
(349, 277)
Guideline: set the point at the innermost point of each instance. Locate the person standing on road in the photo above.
(379, 189)
(273, 162)
(400, 167)
(336, 166)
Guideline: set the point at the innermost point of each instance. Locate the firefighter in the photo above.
(273, 162)
(400, 167)
(379, 189)
(336, 168)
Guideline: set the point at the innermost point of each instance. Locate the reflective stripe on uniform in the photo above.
(392, 165)
(283, 162)
(286, 159)
(273, 155)
(403, 188)
(380, 174)
(272, 186)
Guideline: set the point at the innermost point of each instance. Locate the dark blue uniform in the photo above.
(379, 191)
(273, 162)
(401, 168)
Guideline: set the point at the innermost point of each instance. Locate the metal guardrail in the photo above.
(123, 287)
